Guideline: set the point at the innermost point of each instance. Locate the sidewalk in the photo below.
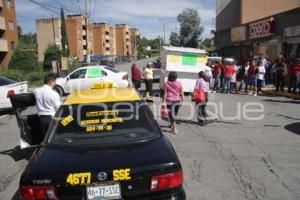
(271, 91)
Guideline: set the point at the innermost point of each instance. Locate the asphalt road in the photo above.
(228, 159)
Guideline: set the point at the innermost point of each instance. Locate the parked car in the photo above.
(9, 88)
(84, 77)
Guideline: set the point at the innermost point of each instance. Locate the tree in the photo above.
(19, 32)
(24, 59)
(51, 53)
(174, 39)
(190, 28)
(64, 37)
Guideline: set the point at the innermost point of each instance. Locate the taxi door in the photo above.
(27, 118)
(76, 80)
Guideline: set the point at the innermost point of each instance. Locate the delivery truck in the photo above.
(186, 62)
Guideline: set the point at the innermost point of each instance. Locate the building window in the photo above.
(13, 45)
(11, 25)
(8, 4)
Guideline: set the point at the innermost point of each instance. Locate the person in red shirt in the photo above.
(229, 70)
(252, 74)
(217, 74)
(294, 72)
(136, 76)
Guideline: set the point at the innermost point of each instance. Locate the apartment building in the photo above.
(8, 31)
(123, 43)
(101, 38)
(245, 28)
(78, 36)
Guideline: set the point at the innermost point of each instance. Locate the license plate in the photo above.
(104, 192)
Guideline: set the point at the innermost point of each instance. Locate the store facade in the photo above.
(270, 36)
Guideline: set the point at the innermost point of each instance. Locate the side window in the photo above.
(95, 72)
(78, 74)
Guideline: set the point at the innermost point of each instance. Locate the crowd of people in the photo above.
(254, 75)
(224, 76)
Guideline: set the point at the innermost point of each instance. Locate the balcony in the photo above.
(107, 37)
(127, 36)
(2, 23)
(3, 45)
(83, 32)
(107, 45)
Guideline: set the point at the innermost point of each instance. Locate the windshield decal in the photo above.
(101, 113)
(67, 120)
(99, 128)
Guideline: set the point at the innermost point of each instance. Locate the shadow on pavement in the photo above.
(294, 128)
(19, 154)
(6, 112)
(282, 101)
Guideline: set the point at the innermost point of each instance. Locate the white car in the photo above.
(9, 88)
(85, 77)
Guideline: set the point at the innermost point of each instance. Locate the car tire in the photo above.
(59, 90)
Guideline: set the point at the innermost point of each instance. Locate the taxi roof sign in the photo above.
(103, 95)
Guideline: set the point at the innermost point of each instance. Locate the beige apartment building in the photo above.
(48, 32)
(8, 31)
(123, 43)
(102, 38)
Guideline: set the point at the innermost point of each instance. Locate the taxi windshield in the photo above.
(104, 124)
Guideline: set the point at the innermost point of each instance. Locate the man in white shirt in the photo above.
(47, 101)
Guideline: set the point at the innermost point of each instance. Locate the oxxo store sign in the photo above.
(262, 28)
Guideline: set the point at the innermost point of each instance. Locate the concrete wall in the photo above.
(257, 9)
(46, 36)
(228, 14)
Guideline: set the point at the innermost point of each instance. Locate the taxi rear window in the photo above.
(104, 124)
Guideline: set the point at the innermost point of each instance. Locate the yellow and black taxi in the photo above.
(103, 144)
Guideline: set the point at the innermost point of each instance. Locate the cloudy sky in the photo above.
(147, 15)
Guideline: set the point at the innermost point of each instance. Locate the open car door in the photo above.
(27, 118)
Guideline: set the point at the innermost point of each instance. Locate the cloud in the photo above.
(137, 13)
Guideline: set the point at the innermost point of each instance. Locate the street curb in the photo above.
(281, 94)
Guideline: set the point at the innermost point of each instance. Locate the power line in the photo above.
(64, 7)
(43, 6)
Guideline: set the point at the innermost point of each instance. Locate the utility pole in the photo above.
(164, 28)
(86, 30)
(53, 29)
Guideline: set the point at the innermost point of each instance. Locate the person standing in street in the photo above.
(280, 69)
(252, 74)
(202, 84)
(242, 77)
(294, 73)
(47, 102)
(217, 74)
(173, 96)
(260, 76)
(148, 75)
(228, 73)
(136, 76)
